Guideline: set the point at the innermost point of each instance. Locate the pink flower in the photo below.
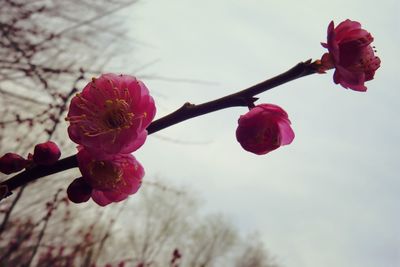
(111, 114)
(46, 153)
(351, 54)
(11, 162)
(111, 180)
(264, 128)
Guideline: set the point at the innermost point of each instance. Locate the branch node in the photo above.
(4, 192)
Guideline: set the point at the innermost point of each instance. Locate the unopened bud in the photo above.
(46, 153)
(11, 162)
(79, 191)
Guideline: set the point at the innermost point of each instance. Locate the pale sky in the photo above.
(330, 198)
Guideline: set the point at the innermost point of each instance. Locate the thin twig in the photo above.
(10, 209)
(43, 230)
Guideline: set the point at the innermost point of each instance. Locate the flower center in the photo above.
(369, 62)
(111, 117)
(104, 175)
(116, 115)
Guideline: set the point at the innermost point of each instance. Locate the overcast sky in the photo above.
(329, 199)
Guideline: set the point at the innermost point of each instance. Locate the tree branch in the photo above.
(245, 98)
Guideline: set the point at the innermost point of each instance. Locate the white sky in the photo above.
(329, 199)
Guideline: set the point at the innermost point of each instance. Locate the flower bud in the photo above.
(46, 153)
(79, 191)
(11, 162)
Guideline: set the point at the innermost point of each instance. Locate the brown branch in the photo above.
(241, 98)
(245, 98)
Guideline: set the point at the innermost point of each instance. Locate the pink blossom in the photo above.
(351, 54)
(111, 115)
(11, 162)
(46, 153)
(264, 128)
(111, 180)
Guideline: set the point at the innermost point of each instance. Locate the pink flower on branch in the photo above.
(110, 180)
(351, 54)
(264, 128)
(111, 114)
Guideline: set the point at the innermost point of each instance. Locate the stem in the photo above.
(241, 98)
(39, 171)
(187, 111)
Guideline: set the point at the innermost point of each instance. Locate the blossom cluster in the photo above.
(109, 118)
(108, 121)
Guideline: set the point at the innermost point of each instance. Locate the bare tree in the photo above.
(164, 224)
(253, 254)
(46, 49)
(212, 238)
(158, 217)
